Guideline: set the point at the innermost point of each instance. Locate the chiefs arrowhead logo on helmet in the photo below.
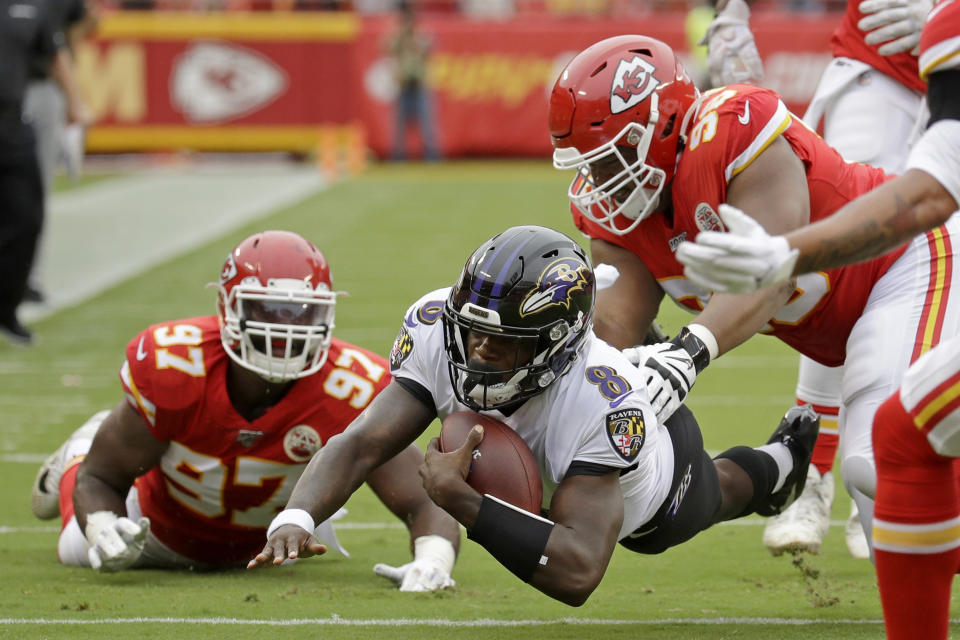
(229, 270)
(633, 83)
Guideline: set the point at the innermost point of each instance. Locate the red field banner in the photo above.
(274, 80)
(222, 81)
(490, 81)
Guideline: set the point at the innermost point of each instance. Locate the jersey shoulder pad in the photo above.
(734, 124)
(940, 39)
(363, 362)
(166, 363)
(428, 310)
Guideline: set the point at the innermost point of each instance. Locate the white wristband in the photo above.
(298, 517)
(435, 548)
(706, 336)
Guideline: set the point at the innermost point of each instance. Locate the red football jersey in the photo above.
(847, 41)
(223, 478)
(732, 126)
(940, 40)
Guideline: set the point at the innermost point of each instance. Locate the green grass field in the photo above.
(391, 235)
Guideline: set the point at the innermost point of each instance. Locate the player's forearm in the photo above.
(331, 478)
(92, 493)
(571, 574)
(455, 497)
(874, 224)
(733, 319)
(432, 520)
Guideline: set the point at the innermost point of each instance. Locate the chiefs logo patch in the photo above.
(229, 269)
(402, 348)
(706, 218)
(301, 442)
(633, 82)
(626, 431)
(555, 286)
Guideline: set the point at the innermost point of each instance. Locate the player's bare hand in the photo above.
(442, 471)
(288, 542)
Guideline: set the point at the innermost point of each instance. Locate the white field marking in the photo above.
(737, 361)
(26, 458)
(345, 526)
(110, 231)
(786, 401)
(37, 529)
(337, 621)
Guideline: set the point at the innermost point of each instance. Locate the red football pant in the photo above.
(825, 449)
(915, 487)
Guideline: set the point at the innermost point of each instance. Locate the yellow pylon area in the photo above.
(341, 150)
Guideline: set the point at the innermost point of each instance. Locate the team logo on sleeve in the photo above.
(626, 431)
(633, 82)
(402, 348)
(555, 286)
(301, 442)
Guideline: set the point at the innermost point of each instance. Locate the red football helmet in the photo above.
(618, 115)
(276, 305)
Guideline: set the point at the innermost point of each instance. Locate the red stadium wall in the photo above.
(277, 81)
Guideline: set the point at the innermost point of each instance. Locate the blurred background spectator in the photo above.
(409, 49)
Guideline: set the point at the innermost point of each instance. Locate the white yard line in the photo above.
(102, 234)
(337, 621)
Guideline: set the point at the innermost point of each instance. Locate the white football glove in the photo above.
(430, 570)
(898, 23)
(669, 374)
(732, 54)
(115, 542)
(741, 261)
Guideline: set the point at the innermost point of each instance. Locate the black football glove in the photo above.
(670, 369)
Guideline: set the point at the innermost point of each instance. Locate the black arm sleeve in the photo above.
(581, 468)
(418, 391)
(943, 95)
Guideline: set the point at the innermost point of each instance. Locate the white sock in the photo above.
(784, 459)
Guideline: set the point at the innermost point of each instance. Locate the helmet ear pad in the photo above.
(276, 306)
(537, 309)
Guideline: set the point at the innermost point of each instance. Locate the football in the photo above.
(503, 464)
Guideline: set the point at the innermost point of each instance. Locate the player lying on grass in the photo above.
(513, 339)
(222, 414)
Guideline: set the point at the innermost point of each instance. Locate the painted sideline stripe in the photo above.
(105, 233)
(440, 622)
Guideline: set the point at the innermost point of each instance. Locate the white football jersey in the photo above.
(598, 412)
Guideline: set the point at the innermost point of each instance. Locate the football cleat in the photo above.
(45, 496)
(856, 538)
(798, 432)
(803, 525)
